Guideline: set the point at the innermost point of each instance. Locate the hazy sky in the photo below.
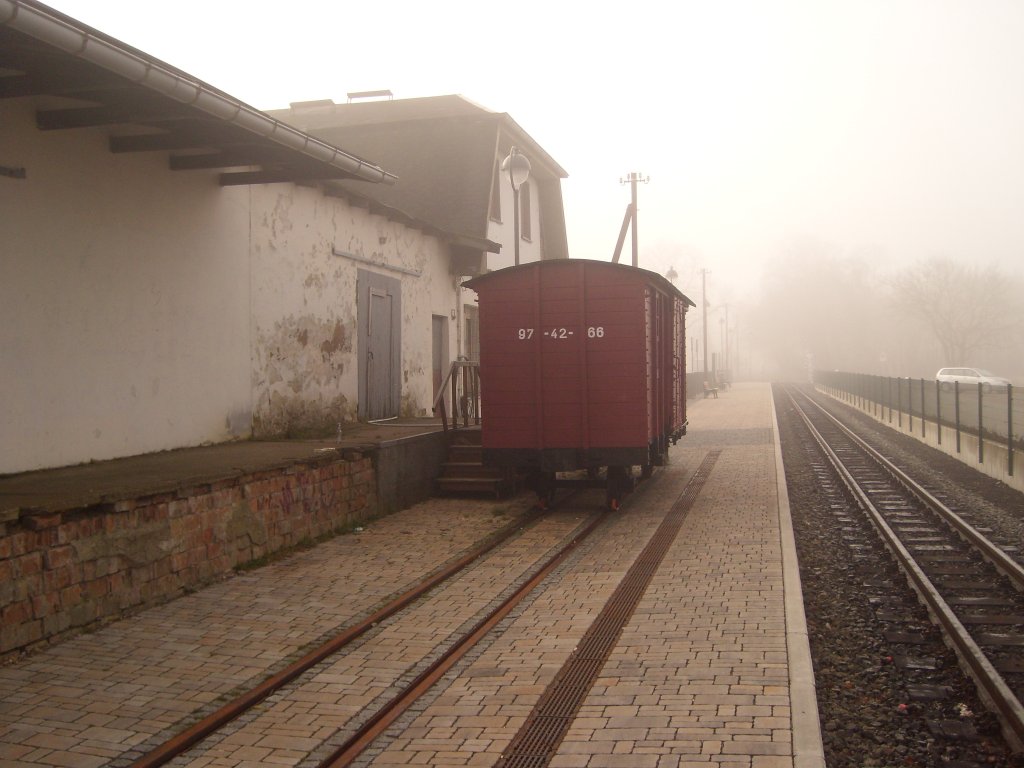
(890, 127)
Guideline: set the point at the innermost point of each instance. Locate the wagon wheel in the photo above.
(545, 501)
(613, 496)
(616, 487)
(544, 486)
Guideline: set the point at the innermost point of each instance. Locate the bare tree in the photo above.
(819, 308)
(965, 307)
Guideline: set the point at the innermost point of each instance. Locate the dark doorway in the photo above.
(439, 351)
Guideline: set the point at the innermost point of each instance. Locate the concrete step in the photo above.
(469, 436)
(468, 469)
(467, 454)
(489, 485)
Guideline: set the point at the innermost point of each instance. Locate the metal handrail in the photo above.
(464, 379)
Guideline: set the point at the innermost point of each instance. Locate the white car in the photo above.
(973, 376)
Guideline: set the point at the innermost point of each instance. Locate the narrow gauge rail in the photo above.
(250, 698)
(245, 701)
(984, 622)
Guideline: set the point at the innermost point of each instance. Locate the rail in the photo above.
(991, 684)
(463, 385)
(182, 742)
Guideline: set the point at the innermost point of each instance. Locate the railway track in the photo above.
(482, 588)
(246, 701)
(408, 646)
(970, 586)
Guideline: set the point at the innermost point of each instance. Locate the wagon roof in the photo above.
(653, 277)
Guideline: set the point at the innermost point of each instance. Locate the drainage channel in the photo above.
(545, 727)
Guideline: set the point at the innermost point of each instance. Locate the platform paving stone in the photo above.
(701, 673)
(143, 674)
(390, 652)
(707, 672)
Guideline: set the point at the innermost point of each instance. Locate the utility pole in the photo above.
(736, 346)
(704, 316)
(629, 218)
(725, 341)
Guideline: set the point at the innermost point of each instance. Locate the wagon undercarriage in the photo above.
(617, 470)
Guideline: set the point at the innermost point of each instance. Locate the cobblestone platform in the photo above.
(711, 669)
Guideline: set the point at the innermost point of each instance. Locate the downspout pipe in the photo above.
(38, 22)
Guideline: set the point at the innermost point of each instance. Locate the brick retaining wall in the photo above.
(67, 570)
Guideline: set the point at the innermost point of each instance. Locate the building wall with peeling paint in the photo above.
(143, 309)
(305, 346)
(124, 301)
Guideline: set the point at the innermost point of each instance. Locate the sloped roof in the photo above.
(327, 113)
(442, 148)
(90, 79)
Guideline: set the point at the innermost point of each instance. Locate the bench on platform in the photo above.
(710, 391)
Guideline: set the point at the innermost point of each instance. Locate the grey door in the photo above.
(379, 307)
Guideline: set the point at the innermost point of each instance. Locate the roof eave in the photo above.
(65, 34)
(536, 150)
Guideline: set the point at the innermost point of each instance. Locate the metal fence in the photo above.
(992, 415)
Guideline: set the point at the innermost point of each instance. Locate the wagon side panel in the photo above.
(582, 363)
(618, 359)
(562, 383)
(679, 356)
(509, 361)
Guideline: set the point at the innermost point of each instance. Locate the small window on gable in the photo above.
(525, 219)
(495, 210)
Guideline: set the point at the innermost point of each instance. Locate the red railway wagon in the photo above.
(582, 366)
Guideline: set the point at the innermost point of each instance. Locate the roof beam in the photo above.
(207, 161)
(195, 134)
(47, 54)
(156, 142)
(49, 73)
(92, 117)
(75, 85)
(280, 176)
(228, 158)
(13, 86)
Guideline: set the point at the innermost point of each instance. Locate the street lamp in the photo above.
(518, 168)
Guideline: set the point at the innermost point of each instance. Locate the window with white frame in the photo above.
(495, 208)
(525, 219)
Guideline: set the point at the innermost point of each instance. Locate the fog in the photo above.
(821, 309)
(803, 155)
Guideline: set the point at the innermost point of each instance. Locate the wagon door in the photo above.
(379, 307)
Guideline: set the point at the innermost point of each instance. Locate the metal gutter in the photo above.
(37, 21)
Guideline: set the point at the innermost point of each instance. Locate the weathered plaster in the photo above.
(299, 365)
(305, 345)
(125, 329)
(170, 311)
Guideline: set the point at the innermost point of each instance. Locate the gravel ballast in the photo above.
(889, 691)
